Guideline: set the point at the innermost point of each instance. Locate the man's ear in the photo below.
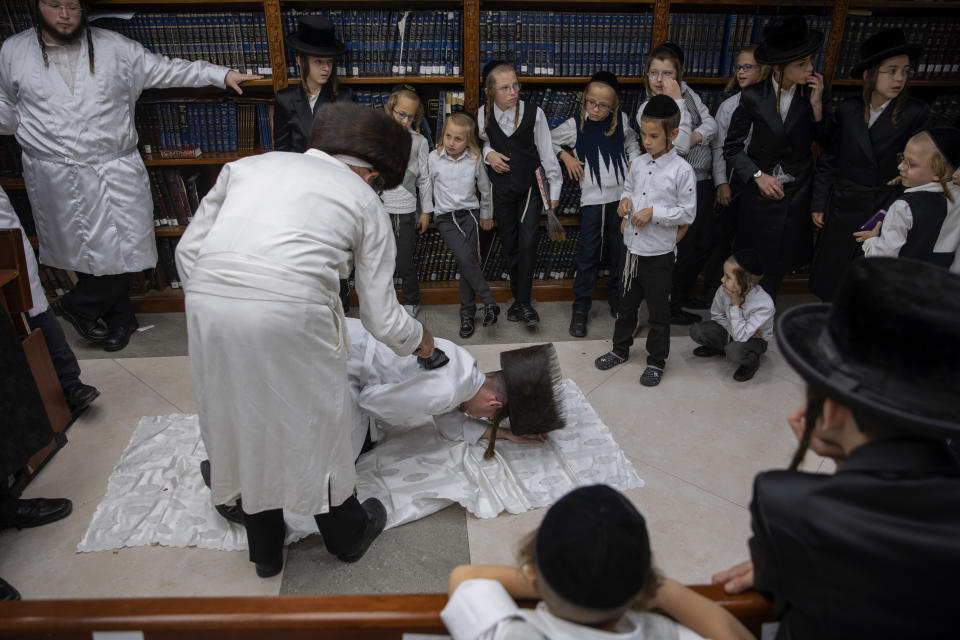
(835, 415)
(370, 177)
(494, 402)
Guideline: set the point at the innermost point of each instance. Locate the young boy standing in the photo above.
(659, 195)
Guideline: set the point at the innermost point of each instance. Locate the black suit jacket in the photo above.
(872, 551)
(293, 119)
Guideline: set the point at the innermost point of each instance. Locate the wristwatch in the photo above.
(758, 174)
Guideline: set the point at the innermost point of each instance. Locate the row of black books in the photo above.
(556, 260)
(945, 111)
(384, 42)
(14, 17)
(175, 197)
(165, 274)
(187, 129)
(553, 43)
(434, 261)
(234, 39)
(939, 37)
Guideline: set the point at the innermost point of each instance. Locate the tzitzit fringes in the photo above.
(629, 270)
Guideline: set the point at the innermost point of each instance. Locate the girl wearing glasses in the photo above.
(597, 149)
(405, 107)
(867, 132)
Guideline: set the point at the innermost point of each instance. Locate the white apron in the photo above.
(88, 187)
(9, 220)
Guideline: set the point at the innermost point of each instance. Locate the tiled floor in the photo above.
(697, 440)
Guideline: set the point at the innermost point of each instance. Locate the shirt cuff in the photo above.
(475, 607)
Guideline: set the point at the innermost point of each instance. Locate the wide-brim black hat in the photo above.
(315, 36)
(883, 45)
(947, 141)
(888, 348)
(787, 38)
(534, 389)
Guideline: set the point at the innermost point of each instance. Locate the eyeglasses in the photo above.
(902, 159)
(659, 74)
(895, 72)
(745, 67)
(404, 116)
(600, 106)
(57, 6)
(510, 88)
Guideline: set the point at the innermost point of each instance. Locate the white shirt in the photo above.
(755, 312)
(541, 136)
(65, 58)
(949, 238)
(456, 182)
(897, 224)
(667, 184)
(875, 113)
(611, 186)
(399, 199)
(786, 98)
(724, 114)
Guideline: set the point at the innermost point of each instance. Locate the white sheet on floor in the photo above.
(155, 494)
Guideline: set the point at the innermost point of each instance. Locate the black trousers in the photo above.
(518, 223)
(599, 226)
(64, 360)
(652, 279)
(341, 528)
(710, 334)
(459, 232)
(106, 297)
(405, 233)
(694, 250)
(721, 245)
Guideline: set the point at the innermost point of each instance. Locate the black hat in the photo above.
(592, 549)
(749, 261)
(660, 106)
(881, 46)
(534, 389)
(672, 47)
(487, 68)
(888, 348)
(315, 36)
(787, 38)
(947, 140)
(606, 78)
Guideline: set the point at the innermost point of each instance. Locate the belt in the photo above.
(62, 159)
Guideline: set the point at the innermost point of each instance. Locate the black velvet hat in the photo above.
(888, 348)
(660, 106)
(881, 46)
(787, 38)
(947, 140)
(749, 261)
(534, 389)
(672, 47)
(592, 549)
(606, 78)
(315, 36)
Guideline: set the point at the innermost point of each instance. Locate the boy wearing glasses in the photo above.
(597, 148)
(67, 91)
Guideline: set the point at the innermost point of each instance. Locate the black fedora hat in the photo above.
(888, 348)
(315, 36)
(883, 45)
(787, 38)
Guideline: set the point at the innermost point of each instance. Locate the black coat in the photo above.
(872, 551)
(292, 118)
(780, 230)
(851, 182)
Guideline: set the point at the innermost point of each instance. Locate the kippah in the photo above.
(660, 106)
(749, 261)
(947, 140)
(401, 87)
(671, 47)
(487, 68)
(606, 78)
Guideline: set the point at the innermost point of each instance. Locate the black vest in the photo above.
(929, 210)
(521, 148)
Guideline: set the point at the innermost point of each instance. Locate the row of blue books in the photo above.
(553, 43)
(940, 39)
(235, 39)
(383, 42)
(183, 129)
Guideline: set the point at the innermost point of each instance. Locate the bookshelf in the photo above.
(837, 14)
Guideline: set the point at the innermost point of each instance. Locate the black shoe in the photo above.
(7, 592)
(93, 330)
(651, 376)
(490, 314)
(36, 511)
(608, 361)
(745, 371)
(377, 520)
(467, 326)
(230, 512)
(578, 324)
(79, 396)
(680, 317)
(269, 569)
(119, 337)
(529, 315)
(703, 351)
(513, 313)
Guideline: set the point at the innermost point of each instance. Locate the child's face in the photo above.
(660, 69)
(892, 77)
(506, 89)
(454, 139)
(405, 110)
(598, 100)
(654, 140)
(320, 69)
(747, 77)
(914, 167)
(798, 71)
(729, 279)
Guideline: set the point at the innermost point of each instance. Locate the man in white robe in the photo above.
(268, 340)
(67, 92)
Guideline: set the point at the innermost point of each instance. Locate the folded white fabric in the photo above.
(156, 495)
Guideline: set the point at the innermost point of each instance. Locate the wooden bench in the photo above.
(281, 618)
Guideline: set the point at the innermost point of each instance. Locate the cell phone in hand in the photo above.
(874, 219)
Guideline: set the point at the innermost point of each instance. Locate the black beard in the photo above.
(51, 32)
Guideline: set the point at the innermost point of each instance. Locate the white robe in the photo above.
(88, 186)
(9, 220)
(261, 262)
(391, 390)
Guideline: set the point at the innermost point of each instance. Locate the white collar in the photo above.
(881, 107)
(497, 111)
(776, 86)
(930, 186)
